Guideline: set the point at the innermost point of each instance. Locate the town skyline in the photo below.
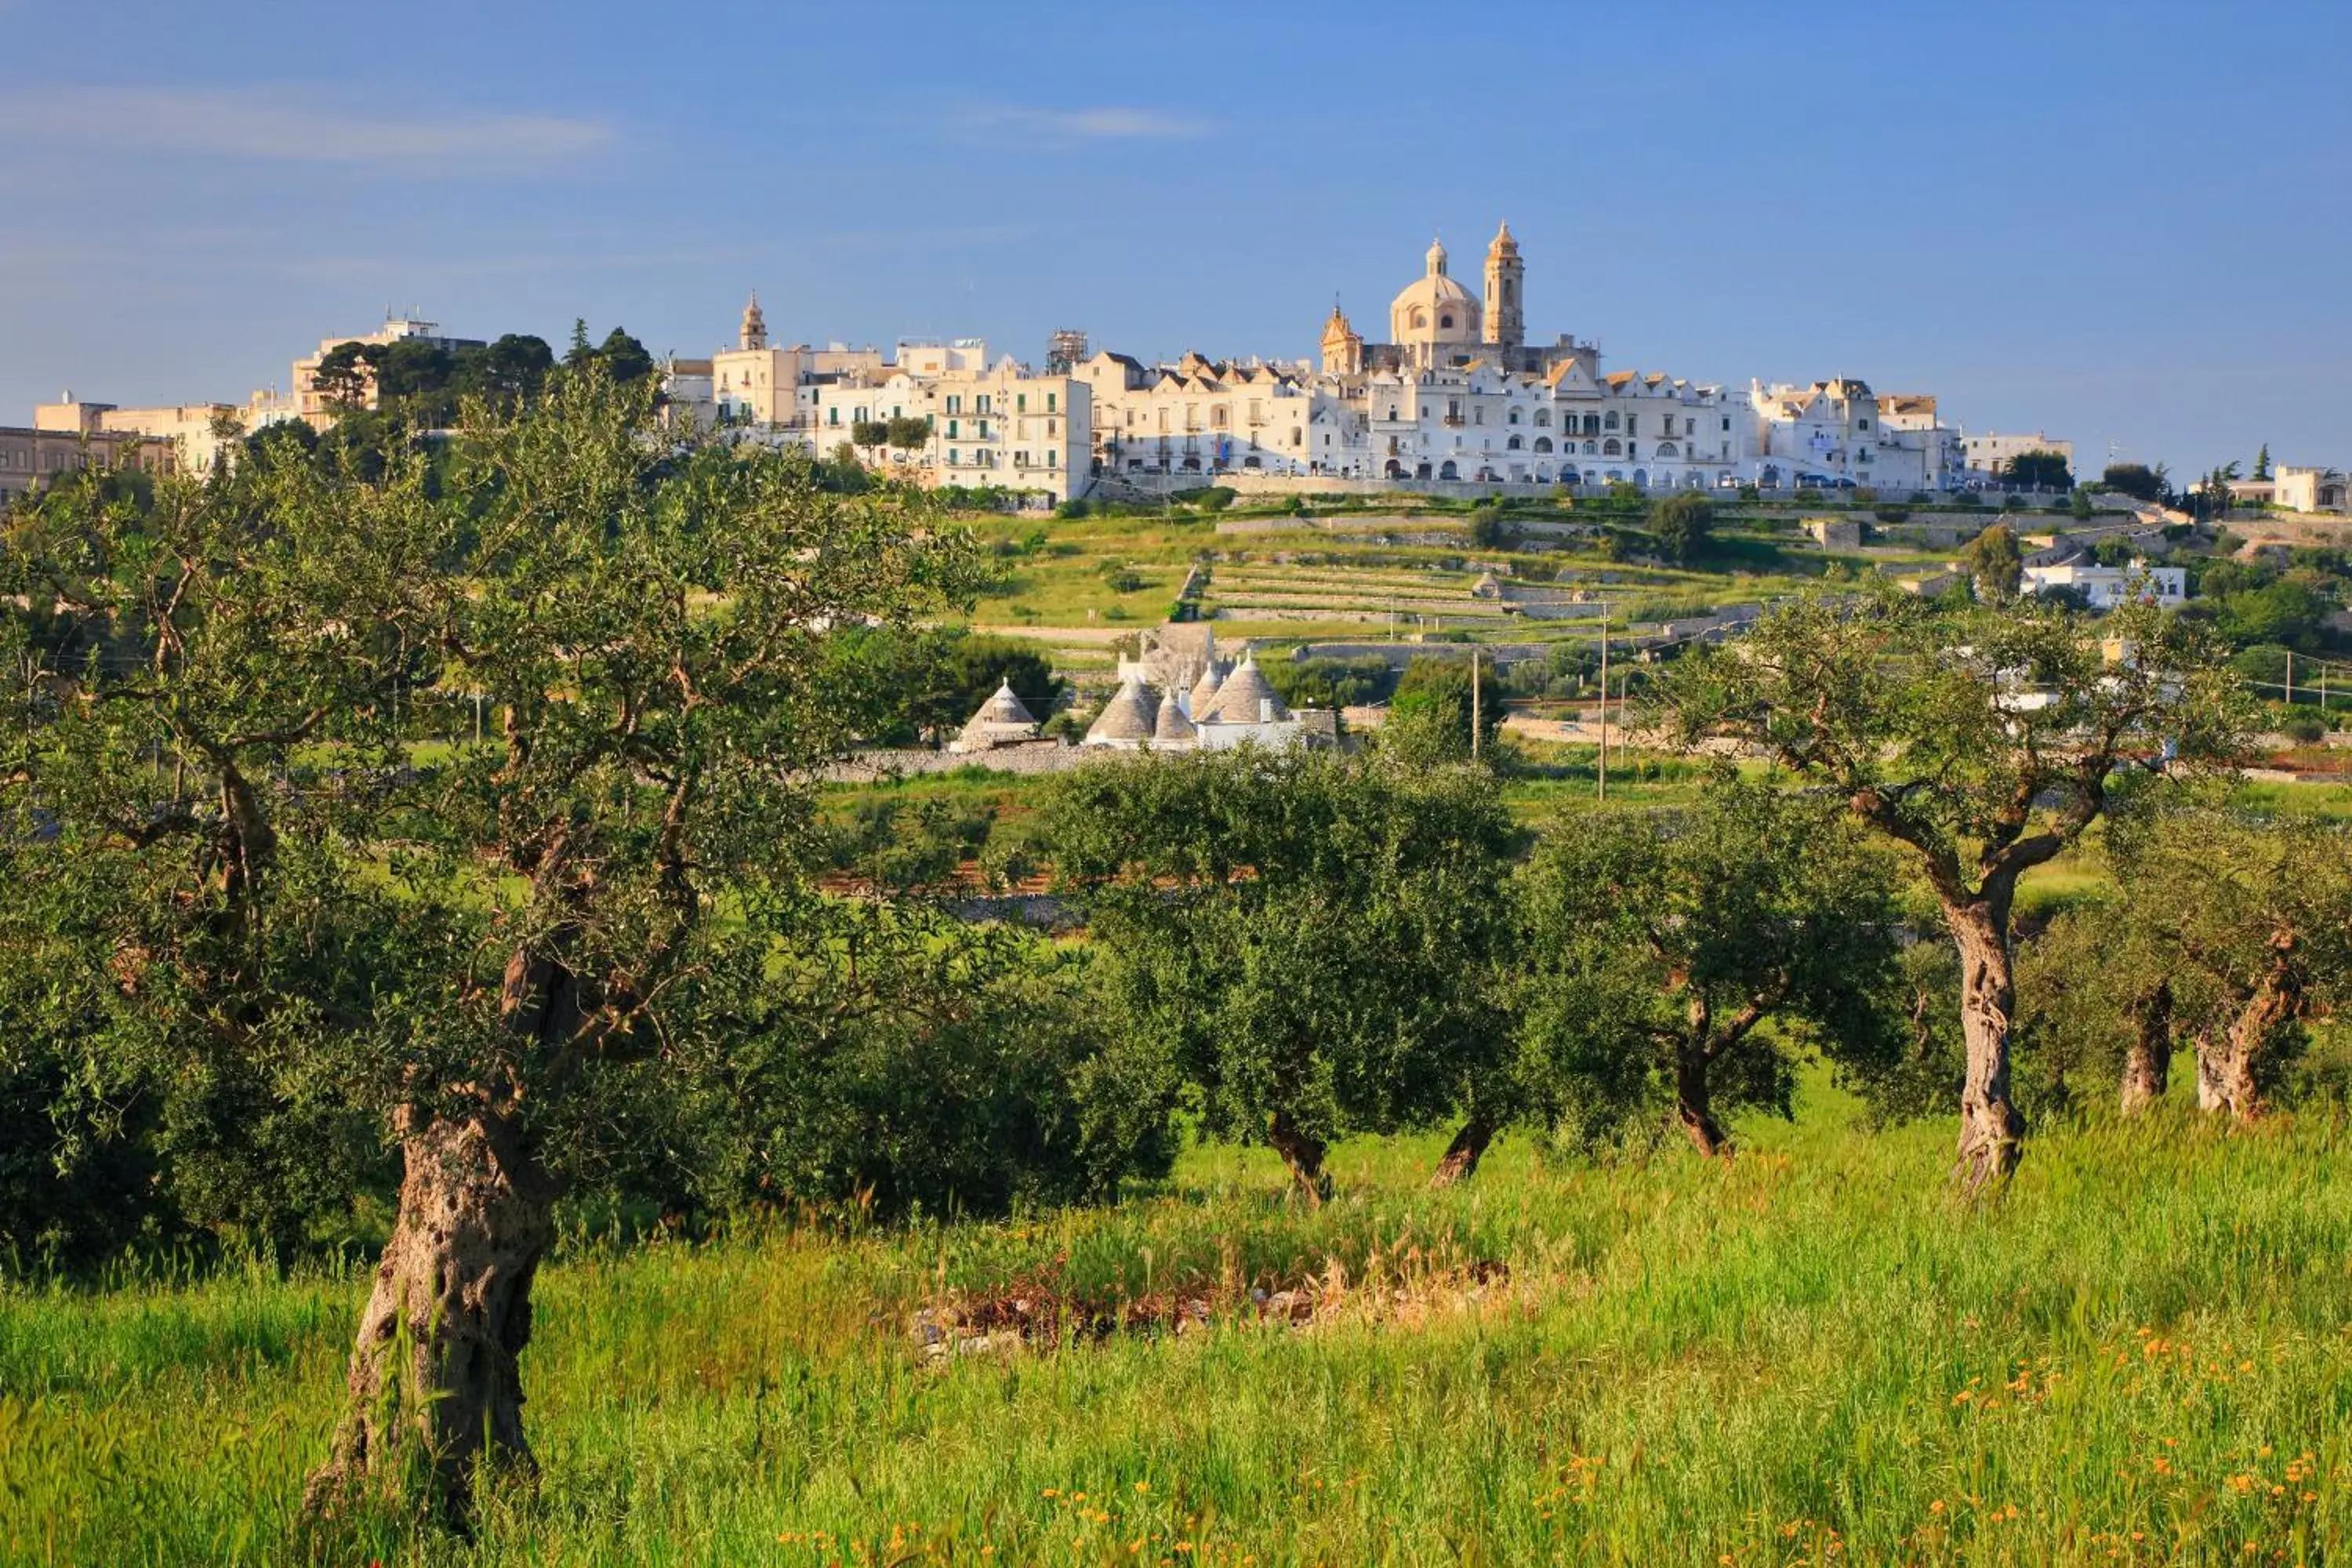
(2040, 257)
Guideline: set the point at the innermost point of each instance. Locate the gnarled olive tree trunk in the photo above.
(434, 1389)
(1693, 1106)
(1303, 1152)
(1461, 1159)
(1992, 1133)
(2147, 1061)
(2227, 1061)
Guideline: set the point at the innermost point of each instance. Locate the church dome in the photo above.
(1433, 307)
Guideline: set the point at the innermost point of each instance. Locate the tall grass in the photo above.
(1809, 1354)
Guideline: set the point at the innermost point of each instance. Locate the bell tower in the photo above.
(753, 334)
(1506, 325)
(1343, 349)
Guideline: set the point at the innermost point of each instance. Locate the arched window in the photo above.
(1512, 445)
(1592, 448)
(1446, 470)
(1514, 416)
(1667, 449)
(1543, 443)
(1543, 416)
(1610, 448)
(1610, 421)
(1445, 323)
(1419, 319)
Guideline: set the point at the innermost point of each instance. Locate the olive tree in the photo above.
(1310, 939)
(1687, 955)
(226, 832)
(2254, 915)
(1982, 740)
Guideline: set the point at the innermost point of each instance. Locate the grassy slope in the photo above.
(1810, 1346)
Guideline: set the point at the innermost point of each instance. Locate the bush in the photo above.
(1809, 497)
(1486, 530)
(1894, 514)
(972, 1078)
(1682, 523)
(2306, 731)
(1071, 510)
(1329, 682)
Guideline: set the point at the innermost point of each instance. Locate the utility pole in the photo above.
(2290, 677)
(1477, 719)
(1603, 794)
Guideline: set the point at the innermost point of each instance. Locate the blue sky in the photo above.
(2122, 223)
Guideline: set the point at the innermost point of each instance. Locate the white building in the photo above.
(2311, 489)
(2105, 587)
(312, 404)
(1990, 452)
(202, 435)
(1002, 427)
(1835, 432)
(1202, 416)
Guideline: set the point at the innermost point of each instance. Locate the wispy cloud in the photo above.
(287, 126)
(1101, 124)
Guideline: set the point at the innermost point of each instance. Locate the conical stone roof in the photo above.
(1001, 720)
(1204, 691)
(1241, 699)
(1172, 728)
(1126, 717)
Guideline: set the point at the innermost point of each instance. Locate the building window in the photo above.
(955, 427)
(1612, 421)
(1445, 323)
(1020, 403)
(953, 461)
(833, 415)
(1049, 402)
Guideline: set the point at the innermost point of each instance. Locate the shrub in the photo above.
(1894, 514)
(2306, 731)
(1809, 497)
(1071, 510)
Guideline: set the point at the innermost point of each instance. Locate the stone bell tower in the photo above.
(1507, 324)
(1343, 349)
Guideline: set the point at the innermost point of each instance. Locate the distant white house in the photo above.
(2105, 587)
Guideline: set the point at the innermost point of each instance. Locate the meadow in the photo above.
(1807, 1354)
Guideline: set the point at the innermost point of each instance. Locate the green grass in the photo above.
(1810, 1354)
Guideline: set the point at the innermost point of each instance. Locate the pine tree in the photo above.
(2262, 462)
